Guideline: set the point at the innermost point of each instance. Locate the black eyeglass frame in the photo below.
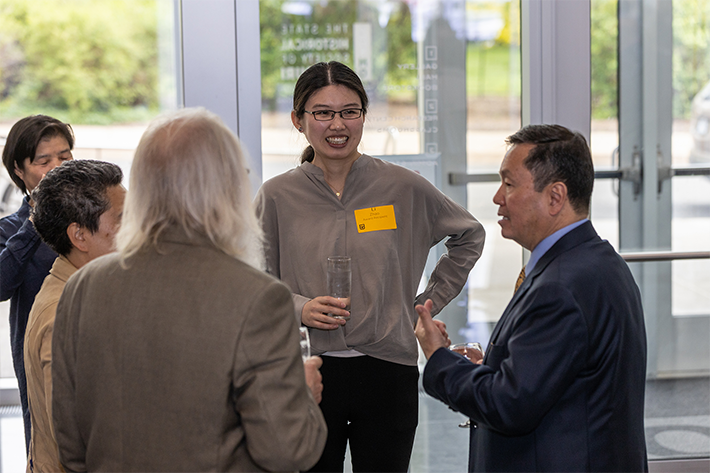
(332, 113)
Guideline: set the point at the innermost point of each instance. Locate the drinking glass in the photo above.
(472, 351)
(339, 280)
(305, 340)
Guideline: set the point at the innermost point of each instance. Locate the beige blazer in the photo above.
(43, 455)
(186, 360)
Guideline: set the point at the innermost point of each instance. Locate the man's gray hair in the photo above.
(189, 171)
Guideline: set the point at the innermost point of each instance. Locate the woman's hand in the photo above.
(315, 313)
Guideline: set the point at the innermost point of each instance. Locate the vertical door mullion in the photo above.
(556, 65)
(645, 119)
(221, 67)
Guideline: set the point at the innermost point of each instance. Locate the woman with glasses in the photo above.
(386, 218)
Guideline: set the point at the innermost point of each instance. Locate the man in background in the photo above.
(561, 386)
(77, 212)
(35, 145)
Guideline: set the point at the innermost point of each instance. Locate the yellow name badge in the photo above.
(373, 219)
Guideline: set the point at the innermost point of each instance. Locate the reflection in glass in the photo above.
(493, 87)
(493, 81)
(377, 39)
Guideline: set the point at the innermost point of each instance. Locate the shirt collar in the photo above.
(547, 243)
(24, 211)
(62, 268)
(358, 163)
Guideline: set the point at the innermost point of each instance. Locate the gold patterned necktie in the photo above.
(521, 278)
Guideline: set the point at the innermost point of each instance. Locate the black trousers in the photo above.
(372, 404)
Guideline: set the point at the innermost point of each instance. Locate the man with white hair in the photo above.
(177, 353)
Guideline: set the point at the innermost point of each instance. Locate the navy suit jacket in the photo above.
(561, 387)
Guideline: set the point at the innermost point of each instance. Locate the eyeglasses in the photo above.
(328, 115)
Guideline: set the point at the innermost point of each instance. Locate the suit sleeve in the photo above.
(522, 379)
(464, 246)
(284, 427)
(72, 449)
(16, 250)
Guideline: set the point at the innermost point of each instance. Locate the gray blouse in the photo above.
(304, 223)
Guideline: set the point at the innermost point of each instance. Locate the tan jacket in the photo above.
(43, 455)
(188, 360)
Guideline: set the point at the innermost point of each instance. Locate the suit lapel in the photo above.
(576, 237)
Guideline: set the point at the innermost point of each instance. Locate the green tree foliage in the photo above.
(691, 52)
(400, 47)
(493, 67)
(604, 60)
(280, 66)
(691, 55)
(393, 51)
(271, 57)
(84, 57)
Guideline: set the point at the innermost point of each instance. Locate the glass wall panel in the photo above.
(604, 137)
(493, 87)
(688, 413)
(104, 66)
(378, 39)
(691, 146)
(443, 77)
(413, 58)
(668, 213)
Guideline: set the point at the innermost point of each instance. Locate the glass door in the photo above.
(443, 78)
(449, 80)
(105, 67)
(664, 210)
(444, 82)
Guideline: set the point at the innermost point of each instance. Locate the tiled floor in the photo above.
(12, 440)
(677, 426)
(440, 445)
(678, 418)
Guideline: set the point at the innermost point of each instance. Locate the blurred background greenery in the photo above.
(83, 61)
(97, 61)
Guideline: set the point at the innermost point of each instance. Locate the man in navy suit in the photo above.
(561, 386)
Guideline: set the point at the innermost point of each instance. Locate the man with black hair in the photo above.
(77, 212)
(34, 146)
(561, 385)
